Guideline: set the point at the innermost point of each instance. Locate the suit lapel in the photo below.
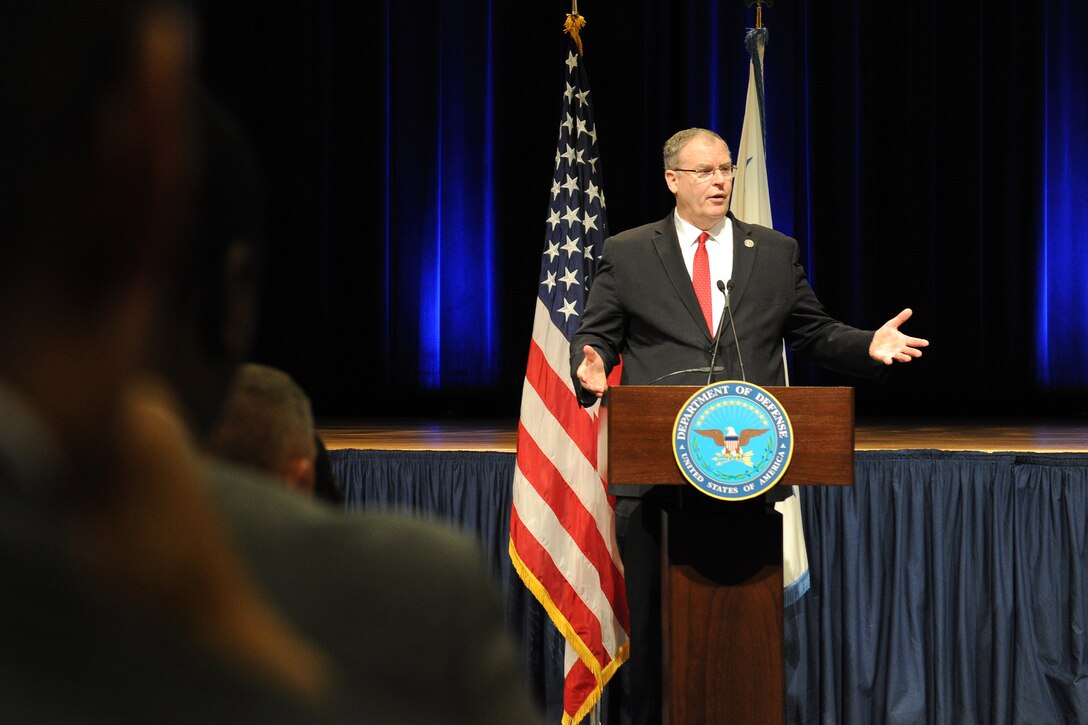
(744, 259)
(667, 246)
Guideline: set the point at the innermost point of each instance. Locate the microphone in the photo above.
(721, 329)
(733, 327)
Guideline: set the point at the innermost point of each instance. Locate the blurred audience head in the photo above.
(267, 423)
(96, 166)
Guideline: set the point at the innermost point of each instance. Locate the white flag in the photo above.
(751, 203)
(751, 197)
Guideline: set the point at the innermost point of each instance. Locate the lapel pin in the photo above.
(749, 243)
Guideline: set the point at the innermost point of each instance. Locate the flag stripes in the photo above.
(562, 527)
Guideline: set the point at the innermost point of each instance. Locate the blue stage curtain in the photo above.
(947, 587)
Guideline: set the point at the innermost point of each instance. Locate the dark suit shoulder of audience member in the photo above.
(405, 606)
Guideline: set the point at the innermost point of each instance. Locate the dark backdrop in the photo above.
(925, 154)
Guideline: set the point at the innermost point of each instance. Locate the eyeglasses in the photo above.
(704, 175)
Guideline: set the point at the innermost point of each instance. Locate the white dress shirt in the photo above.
(719, 248)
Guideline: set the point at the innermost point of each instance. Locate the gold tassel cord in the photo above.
(573, 26)
(759, 10)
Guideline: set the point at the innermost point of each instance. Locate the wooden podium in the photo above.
(722, 560)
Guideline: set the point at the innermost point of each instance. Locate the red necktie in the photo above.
(700, 278)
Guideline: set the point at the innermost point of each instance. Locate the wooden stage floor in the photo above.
(491, 435)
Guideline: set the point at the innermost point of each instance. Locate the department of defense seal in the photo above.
(732, 440)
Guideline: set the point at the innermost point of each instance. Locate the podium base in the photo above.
(722, 595)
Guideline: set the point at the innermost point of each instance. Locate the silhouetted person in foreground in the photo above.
(123, 599)
(141, 581)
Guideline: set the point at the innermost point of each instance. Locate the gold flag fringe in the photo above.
(574, 25)
(602, 675)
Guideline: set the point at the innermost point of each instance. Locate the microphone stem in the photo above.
(718, 334)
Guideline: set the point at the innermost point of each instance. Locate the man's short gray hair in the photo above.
(680, 139)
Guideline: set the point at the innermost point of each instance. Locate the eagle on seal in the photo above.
(731, 442)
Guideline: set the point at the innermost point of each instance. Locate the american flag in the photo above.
(562, 529)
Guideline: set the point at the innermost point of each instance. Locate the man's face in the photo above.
(702, 203)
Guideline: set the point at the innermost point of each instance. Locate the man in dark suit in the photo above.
(645, 307)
